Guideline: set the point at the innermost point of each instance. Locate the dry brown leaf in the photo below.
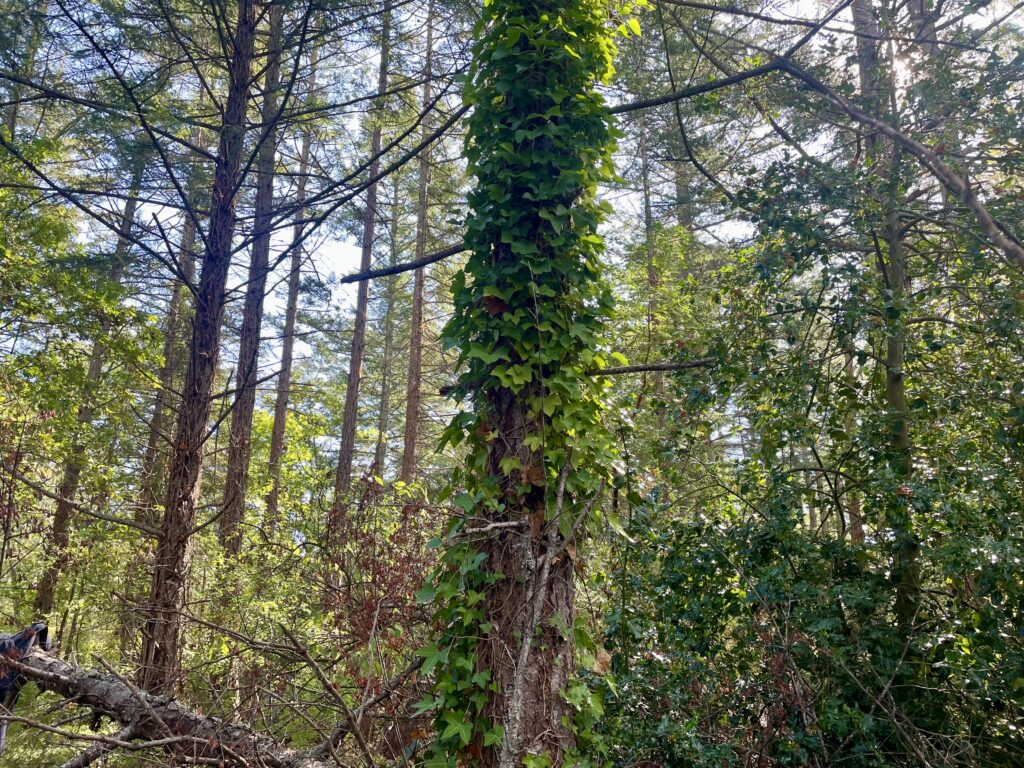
(536, 522)
(603, 662)
(495, 306)
(534, 474)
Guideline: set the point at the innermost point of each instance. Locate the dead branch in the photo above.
(153, 717)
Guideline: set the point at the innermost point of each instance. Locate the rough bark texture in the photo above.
(284, 378)
(160, 652)
(240, 441)
(343, 478)
(152, 472)
(865, 23)
(74, 464)
(185, 734)
(529, 658)
(414, 385)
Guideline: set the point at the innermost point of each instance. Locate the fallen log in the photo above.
(159, 719)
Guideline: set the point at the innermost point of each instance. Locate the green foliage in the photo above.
(530, 308)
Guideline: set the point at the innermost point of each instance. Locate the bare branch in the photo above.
(398, 269)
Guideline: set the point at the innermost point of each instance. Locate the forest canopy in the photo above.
(527, 383)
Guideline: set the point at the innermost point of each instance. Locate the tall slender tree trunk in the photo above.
(74, 464)
(652, 267)
(153, 471)
(853, 504)
(906, 555)
(151, 481)
(812, 504)
(240, 442)
(172, 371)
(683, 207)
(346, 455)
(384, 412)
(906, 547)
(414, 384)
(284, 378)
(866, 25)
(160, 663)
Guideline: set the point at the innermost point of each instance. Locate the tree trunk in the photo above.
(414, 384)
(384, 412)
(284, 378)
(343, 478)
(537, 453)
(75, 461)
(683, 204)
(529, 658)
(652, 269)
(153, 472)
(906, 548)
(160, 653)
(812, 504)
(152, 476)
(906, 566)
(240, 441)
(853, 508)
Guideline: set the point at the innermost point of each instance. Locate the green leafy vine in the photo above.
(530, 311)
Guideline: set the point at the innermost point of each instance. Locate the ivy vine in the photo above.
(530, 311)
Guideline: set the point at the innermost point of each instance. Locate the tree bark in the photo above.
(160, 664)
(906, 566)
(384, 412)
(240, 441)
(531, 479)
(153, 472)
(530, 659)
(75, 462)
(853, 505)
(906, 548)
(414, 383)
(152, 477)
(284, 378)
(346, 454)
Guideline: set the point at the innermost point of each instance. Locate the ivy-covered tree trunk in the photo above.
(160, 662)
(529, 310)
(240, 441)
